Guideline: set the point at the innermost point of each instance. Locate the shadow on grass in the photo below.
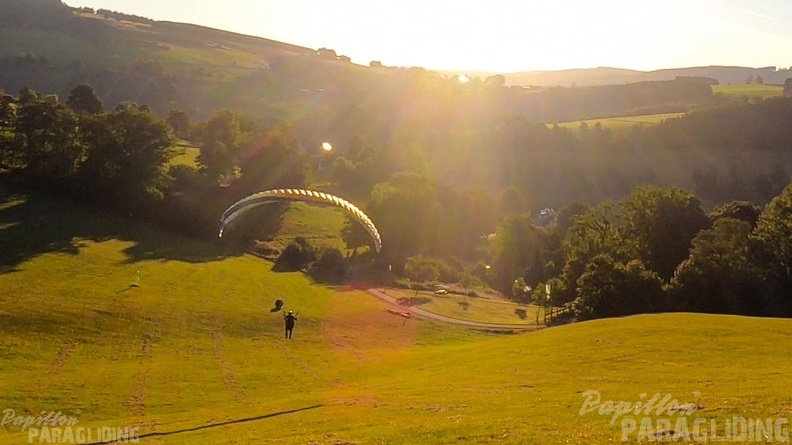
(278, 306)
(216, 425)
(414, 301)
(37, 224)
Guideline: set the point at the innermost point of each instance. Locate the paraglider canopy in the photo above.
(310, 196)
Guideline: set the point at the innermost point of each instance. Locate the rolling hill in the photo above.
(51, 48)
(121, 325)
(725, 75)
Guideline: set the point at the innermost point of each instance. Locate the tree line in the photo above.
(122, 159)
(657, 250)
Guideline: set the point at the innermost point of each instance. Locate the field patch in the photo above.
(187, 154)
(751, 90)
(462, 307)
(320, 225)
(622, 123)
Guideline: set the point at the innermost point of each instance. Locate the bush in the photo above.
(420, 268)
(448, 274)
(414, 301)
(468, 280)
(296, 256)
(331, 266)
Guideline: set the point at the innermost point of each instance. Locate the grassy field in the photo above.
(187, 154)
(620, 123)
(195, 355)
(749, 90)
(626, 122)
(467, 308)
(320, 225)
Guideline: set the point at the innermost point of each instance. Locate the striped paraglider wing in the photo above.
(311, 196)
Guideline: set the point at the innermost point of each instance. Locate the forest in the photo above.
(692, 214)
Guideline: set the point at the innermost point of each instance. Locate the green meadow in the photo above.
(482, 309)
(621, 123)
(186, 154)
(752, 90)
(121, 324)
(320, 225)
(627, 122)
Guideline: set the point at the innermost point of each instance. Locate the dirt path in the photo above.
(421, 313)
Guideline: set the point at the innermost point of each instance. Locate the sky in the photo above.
(504, 35)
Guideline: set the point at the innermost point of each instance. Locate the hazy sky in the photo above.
(504, 35)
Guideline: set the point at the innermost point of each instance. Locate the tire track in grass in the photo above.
(299, 363)
(229, 376)
(57, 365)
(63, 355)
(135, 402)
(146, 378)
(136, 405)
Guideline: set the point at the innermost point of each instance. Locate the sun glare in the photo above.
(326, 146)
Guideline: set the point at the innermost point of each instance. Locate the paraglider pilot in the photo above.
(289, 319)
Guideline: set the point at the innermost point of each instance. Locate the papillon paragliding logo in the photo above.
(311, 196)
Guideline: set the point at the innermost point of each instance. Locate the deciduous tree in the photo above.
(609, 288)
(660, 224)
(83, 99)
(773, 246)
(719, 276)
(128, 155)
(180, 123)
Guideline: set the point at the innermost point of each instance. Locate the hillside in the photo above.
(51, 48)
(101, 38)
(725, 75)
(193, 354)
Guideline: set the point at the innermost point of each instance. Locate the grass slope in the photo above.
(186, 154)
(626, 122)
(97, 40)
(752, 90)
(196, 348)
(320, 225)
(621, 123)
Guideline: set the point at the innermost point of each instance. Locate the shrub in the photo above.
(468, 280)
(448, 274)
(331, 266)
(296, 256)
(420, 268)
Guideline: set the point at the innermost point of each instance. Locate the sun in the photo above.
(326, 146)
